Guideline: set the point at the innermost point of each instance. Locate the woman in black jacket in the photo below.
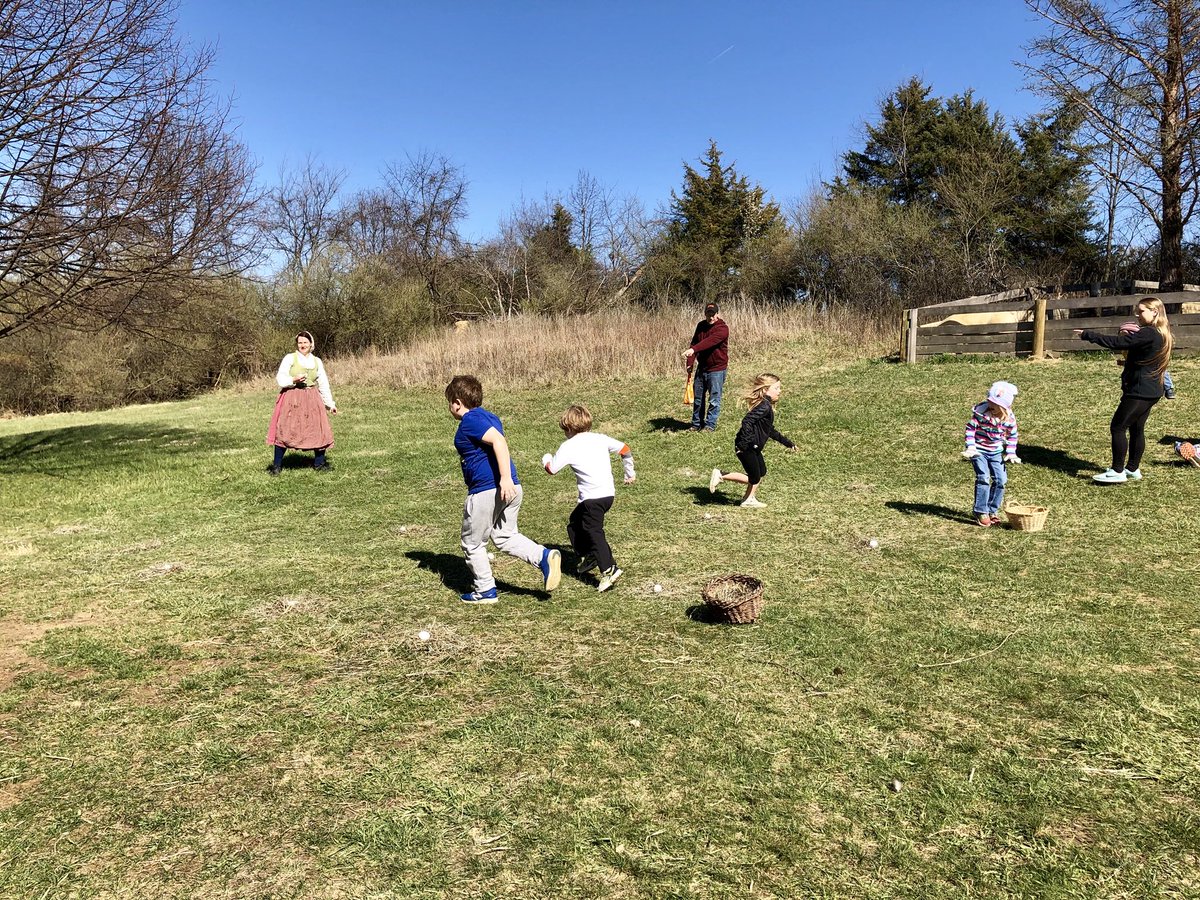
(757, 427)
(1149, 352)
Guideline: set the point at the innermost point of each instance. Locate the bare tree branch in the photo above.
(1134, 71)
(117, 169)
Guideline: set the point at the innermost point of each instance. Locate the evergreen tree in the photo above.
(902, 151)
(718, 221)
(552, 242)
(1007, 207)
(1052, 213)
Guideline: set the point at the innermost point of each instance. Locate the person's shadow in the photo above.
(452, 571)
(702, 496)
(1049, 458)
(930, 509)
(670, 423)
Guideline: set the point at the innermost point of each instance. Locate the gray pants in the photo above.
(483, 518)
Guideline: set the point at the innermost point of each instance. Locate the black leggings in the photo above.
(1130, 417)
(753, 463)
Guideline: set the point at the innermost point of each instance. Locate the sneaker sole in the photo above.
(714, 481)
(555, 574)
(482, 601)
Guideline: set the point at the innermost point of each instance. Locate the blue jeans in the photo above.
(990, 479)
(710, 385)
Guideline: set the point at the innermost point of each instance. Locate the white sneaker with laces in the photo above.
(1110, 476)
(608, 578)
(714, 480)
(1133, 474)
(753, 503)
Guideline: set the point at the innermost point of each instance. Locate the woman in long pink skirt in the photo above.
(300, 421)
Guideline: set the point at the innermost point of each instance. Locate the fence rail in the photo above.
(1010, 324)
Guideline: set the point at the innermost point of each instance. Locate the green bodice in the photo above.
(298, 368)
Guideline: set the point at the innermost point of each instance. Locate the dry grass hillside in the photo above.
(624, 343)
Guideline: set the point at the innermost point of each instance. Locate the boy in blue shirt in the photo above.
(493, 494)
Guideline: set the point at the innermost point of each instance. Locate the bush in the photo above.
(209, 337)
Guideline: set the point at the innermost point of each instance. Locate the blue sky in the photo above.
(524, 95)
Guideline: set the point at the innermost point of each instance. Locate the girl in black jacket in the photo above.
(1149, 352)
(757, 426)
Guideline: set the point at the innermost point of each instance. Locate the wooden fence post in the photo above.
(1039, 327)
(910, 352)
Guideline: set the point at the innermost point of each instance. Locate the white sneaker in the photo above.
(1133, 474)
(608, 578)
(714, 480)
(752, 503)
(1110, 476)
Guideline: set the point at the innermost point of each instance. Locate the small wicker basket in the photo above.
(1027, 518)
(739, 598)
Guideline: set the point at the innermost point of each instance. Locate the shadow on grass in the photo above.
(60, 451)
(706, 614)
(670, 423)
(452, 571)
(1049, 458)
(1170, 439)
(702, 496)
(930, 509)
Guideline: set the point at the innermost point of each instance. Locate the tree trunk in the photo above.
(1170, 271)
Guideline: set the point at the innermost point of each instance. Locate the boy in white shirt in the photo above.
(587, 454)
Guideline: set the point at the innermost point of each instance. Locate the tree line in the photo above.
(133, 240)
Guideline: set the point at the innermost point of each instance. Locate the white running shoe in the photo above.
(1133, 474)
(753, 503)
(1110, 476)
(608, 578)
(714, 480)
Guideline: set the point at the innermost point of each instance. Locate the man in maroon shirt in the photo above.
(709, 354)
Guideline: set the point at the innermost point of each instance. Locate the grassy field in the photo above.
(211, 683)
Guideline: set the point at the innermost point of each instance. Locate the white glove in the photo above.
(1013, 458)
(970, 453)
(547, 459)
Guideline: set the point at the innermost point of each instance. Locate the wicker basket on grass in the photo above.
(1026, 518)
(739, 598)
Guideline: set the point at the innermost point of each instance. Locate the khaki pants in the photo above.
(484, 518)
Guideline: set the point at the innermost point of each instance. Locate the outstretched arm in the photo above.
(1119, 341)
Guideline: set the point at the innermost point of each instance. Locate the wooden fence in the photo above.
(1028, 322)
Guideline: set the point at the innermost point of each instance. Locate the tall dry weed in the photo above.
(622, 343)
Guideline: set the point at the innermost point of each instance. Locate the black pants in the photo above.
(1130, 418)
(585, 530)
